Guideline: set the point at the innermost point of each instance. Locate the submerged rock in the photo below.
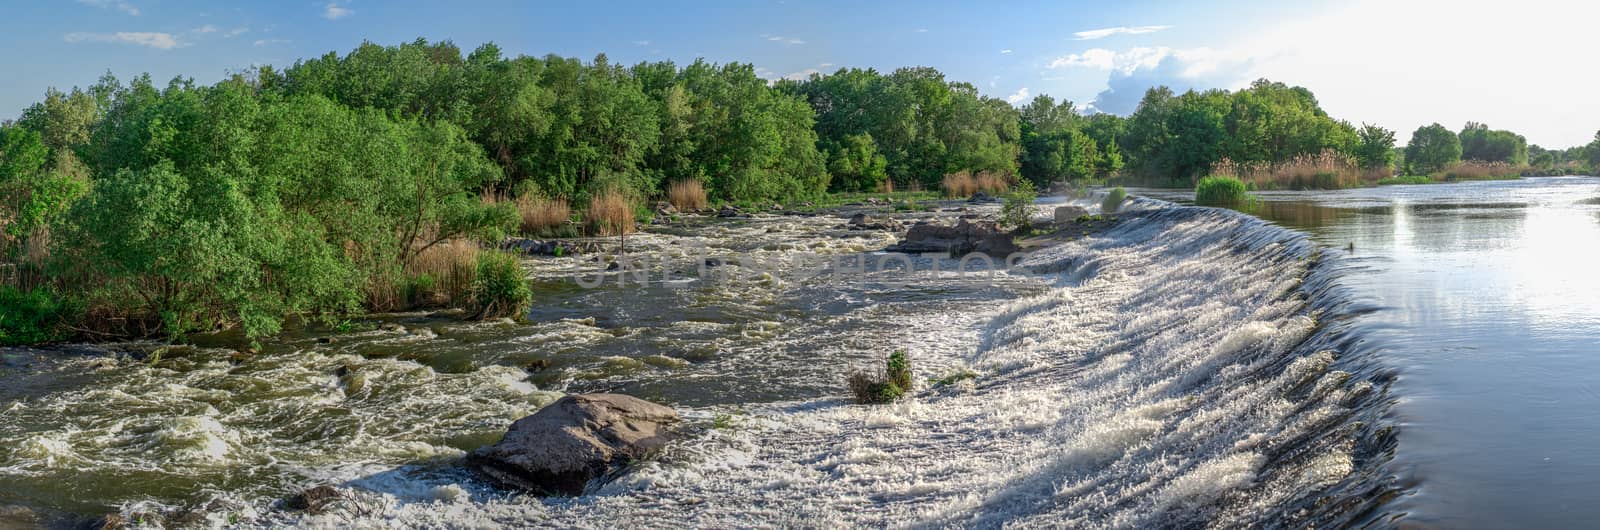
(963, 237)
(578, 439)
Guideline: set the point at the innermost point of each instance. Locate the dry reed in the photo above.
(687, 195)
(609, 214)
(540, 215)
(1328, 169)
(964, 184)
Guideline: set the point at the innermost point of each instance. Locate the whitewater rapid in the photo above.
(1190, 367)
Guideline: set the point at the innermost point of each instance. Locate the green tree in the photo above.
(1478, 142)
(1432, 148)
(1374, 147)
(856, 164)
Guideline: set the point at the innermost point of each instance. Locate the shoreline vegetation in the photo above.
(386, 178)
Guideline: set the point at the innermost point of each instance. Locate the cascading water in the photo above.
(1188, 367)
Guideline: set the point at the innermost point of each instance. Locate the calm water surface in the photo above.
(1492, 321)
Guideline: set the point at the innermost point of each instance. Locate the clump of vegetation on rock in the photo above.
(1017, 212)
(887, 387)
(500, 289)
(1221, 191)
(1113, 200)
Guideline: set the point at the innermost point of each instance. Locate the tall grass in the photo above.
(687, 195)
(439, 276)
(964, 183)
(1113, 200)
(1481, 170)
(1327, 170)
(541, 216)
(610, 213)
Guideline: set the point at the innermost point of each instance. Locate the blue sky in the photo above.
(1398, 63)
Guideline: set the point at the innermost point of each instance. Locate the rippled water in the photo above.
(1187, 367)
(1491, 293)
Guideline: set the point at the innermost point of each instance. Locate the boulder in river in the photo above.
(862, 221)
(578, 439)
(1067, 214)
(963, 237)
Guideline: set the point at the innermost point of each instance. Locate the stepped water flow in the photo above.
(1190, 367)
(1187, 367)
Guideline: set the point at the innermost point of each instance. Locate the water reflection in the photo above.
(1494, 323)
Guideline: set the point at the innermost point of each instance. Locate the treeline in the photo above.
(368, 181)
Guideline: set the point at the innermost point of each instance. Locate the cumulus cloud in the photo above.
(1005, 51)
(334, 12)
(112, 4)
(1134, 72)
(802, 75)
(1020, 95)
(160, 41)
(1119, 30)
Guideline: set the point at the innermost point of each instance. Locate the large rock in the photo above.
(1067, 214)
(862, 221)
(577, 439)
(961, 238)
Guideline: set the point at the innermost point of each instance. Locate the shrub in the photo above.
(541, 216)
(893, 383)
(1113, 200)
(687, 195)
(609, 214)
(1017, 212)
(500, 289)
(1220, 191)
(30, 317)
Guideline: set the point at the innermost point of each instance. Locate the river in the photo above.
(1414, 355)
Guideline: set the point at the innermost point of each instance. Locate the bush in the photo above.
(500, 290)
(687, 195)
(609, 214)
(30, 317)
(1221, 191)
(893, 383)
(1017, 212)
(1113, 200)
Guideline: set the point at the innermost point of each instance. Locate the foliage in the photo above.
(1221, 191)
(30, 317)
(1409, 179)
(1113, 200)
(1017, 211)
(1480, 143)
(500, 289)
(1374, 147)
(1432, 148)
(887, 387)
(856, 164)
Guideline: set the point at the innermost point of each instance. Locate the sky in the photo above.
(1524, 66)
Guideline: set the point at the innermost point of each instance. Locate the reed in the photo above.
(964, 183)
(1327, 170)
(609, 214)
(1481, 170)
(687, 195)
(542, 216)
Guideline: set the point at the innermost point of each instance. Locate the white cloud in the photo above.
(1119, 30)
(205, 29)
(922, 30)
(236, 32)
(333, 12)
(803, 74)
(825, 65)
(119, 5)
(641, 43)
(1020, 95)
(269, 42)
(160, 41)
(1005, 51)
(782, 39)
